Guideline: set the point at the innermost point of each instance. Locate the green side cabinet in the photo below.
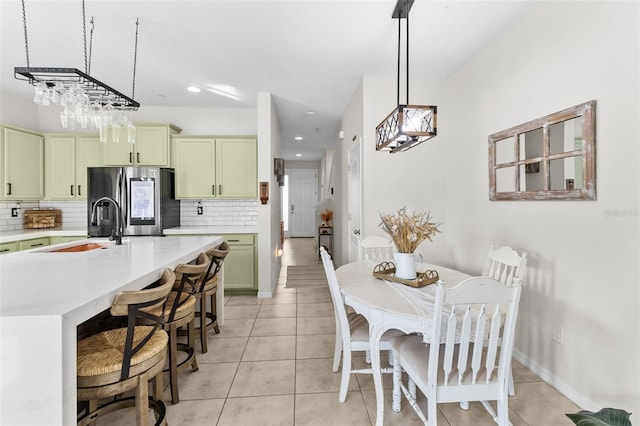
(240, 265)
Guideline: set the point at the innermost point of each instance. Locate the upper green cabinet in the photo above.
(151, 147)
(22, 162)
(209, 167)
(66, 160)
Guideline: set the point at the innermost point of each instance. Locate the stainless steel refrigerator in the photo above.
(146, 196)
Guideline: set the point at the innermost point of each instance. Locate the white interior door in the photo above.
(303, 199)
(354, 202)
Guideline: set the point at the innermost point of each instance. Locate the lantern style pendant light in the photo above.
(408, 125)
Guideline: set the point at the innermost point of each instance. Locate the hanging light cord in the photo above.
(398, 79)
(24, 24)
(135, 61)
(84, 38)
(407, 54)
(90, 46)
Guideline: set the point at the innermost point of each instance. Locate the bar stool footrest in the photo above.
(158, 407)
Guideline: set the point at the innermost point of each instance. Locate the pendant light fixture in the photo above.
(86, 101)
(408, 125)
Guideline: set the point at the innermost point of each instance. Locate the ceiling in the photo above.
(310, 55)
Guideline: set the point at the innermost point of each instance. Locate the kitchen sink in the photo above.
(78, 248)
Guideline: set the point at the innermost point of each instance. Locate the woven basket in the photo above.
(42, 218)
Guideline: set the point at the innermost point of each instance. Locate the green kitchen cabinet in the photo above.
(151, 147)
(9, 247)
(219, 168)
(33, 243)
(237, 168)
(66, 160)
(22, 155)
(195, 167)
(240, 265)
(64, 239)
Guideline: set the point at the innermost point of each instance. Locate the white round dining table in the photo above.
(386, 306)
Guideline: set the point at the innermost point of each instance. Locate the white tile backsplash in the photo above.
(236, 213)
(8, 223)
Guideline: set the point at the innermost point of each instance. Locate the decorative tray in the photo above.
(387, 271)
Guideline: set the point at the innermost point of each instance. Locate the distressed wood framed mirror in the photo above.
(550, 158)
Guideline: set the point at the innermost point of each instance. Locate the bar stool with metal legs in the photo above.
(207, 293)
(179, 312)
(115, 361)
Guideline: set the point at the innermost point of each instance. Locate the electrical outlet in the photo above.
(558, 335)
(199, 209)
(14, 212)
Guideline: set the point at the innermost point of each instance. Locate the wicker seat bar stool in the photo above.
(116, 361)
(207, 293)
(179, 312)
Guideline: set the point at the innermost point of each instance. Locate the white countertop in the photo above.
(195, 230)
(43, 298)
(24, 234)
(79, 285)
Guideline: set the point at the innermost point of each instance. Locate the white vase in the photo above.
(406, 265)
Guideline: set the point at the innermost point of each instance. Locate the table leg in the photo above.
(375, 334)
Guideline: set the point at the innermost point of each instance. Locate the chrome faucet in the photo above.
(117, 234)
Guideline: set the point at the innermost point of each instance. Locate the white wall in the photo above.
(583, 256)
(192, 121)
(19, 112)
(583, 273)
(269, 143)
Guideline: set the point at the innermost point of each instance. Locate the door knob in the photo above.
(356, 232)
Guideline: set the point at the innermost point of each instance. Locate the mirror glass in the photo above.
(552, 157)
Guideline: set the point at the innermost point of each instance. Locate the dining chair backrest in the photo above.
(342, 322)
(476, 322)
(504, 264)
(375, 247)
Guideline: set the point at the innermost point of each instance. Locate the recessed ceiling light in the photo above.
(298, 138)
(194, 89)
(298, 155)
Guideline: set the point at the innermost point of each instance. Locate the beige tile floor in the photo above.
(271, 365)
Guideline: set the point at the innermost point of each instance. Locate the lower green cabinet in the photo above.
(34, 243)
(60, 240)
(240, 265)
(9, 247)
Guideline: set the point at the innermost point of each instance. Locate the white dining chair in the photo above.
(377, 248)
(469, 364)
(352, 332)
(504, 264)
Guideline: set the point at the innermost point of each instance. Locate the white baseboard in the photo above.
(265, 295)
(562, 387)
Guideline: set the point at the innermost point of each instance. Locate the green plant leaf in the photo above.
(604, 417)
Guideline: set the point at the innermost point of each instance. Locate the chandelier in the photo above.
(86, 101)
(407, 125)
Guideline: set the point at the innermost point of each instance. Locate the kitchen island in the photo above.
(45, 295)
